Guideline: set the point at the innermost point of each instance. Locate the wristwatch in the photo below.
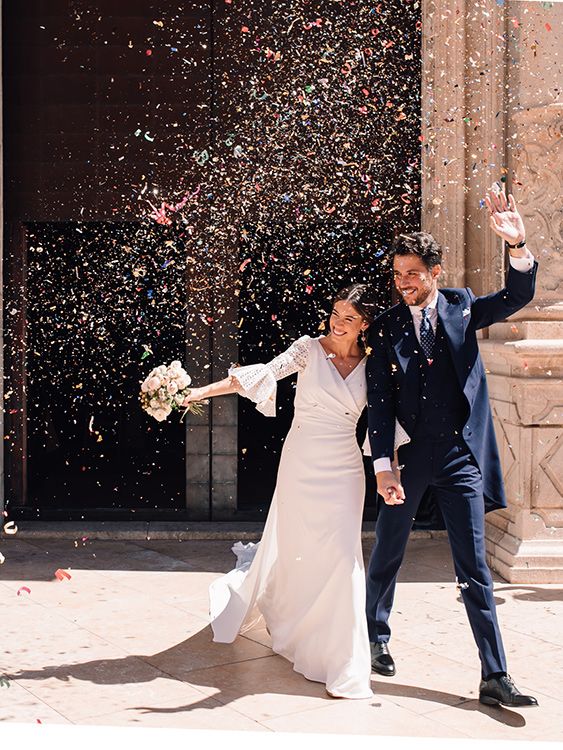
(519, 245)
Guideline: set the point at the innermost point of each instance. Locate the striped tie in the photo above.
(426, 334)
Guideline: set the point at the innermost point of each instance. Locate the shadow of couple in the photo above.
(224, 672)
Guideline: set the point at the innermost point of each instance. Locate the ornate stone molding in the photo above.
(525, 378)
(538, 168)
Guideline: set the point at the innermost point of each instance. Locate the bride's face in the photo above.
(346, 323)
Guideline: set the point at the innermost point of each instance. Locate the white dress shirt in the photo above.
(519, 264)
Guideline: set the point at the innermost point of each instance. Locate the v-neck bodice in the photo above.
(324, 397)
(337, 371)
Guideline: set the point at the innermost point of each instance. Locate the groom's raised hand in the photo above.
(390, 488)
(505, 220)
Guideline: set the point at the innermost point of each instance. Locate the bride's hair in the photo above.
(358, 296)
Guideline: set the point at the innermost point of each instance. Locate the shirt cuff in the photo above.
(381, 464)
(523, 264)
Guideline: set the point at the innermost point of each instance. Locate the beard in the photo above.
(418, 299)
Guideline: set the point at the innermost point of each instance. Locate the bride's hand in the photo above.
(195, 394)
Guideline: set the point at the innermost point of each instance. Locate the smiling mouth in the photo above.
(406, 292)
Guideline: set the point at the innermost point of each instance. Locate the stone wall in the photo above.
(491, 75)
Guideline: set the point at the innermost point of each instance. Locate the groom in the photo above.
(425, 370)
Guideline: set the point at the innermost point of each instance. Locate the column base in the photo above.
(524, 560)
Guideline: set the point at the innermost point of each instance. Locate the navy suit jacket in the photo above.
(393, 371)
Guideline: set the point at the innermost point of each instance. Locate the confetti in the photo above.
(25, 589)
(321, 140)
(61, 575)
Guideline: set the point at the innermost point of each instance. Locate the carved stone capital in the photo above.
(537, 162)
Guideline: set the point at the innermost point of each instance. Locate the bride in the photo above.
(307, 577)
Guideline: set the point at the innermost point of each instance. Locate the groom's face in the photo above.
(414, 281)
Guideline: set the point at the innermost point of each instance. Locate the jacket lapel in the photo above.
(406, 348)
(451, 317)
(404, 339)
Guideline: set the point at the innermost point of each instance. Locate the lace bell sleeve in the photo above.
(401, 438)
(259, 382)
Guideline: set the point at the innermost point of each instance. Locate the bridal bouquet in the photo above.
(164, 390)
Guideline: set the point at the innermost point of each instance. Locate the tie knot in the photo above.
(424, 312)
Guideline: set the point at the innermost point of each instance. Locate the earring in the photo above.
(364, 338)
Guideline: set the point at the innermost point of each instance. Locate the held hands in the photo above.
(390, 488)
(504, 219)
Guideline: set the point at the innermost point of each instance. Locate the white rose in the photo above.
(160, 414)
(161, 369)
(172, 388)
(145, 386)
(183, 380)
(155, 403)
(154, 383)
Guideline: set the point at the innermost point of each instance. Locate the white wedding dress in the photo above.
(307, 578)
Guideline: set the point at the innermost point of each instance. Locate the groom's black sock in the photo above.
(493, 675)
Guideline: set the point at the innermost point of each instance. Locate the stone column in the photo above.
(525, 355)
(490, 80)
(2, 499)
(443, 160)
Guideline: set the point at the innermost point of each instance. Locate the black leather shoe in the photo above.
(502, 691)
(381, 660)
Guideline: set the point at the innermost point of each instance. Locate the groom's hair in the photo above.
(421, 244)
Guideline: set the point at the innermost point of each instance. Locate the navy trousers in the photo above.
(449, 469)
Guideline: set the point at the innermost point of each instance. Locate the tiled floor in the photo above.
(125, 642)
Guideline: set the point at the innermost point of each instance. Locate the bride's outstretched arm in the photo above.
(219, 388)
(258, 382)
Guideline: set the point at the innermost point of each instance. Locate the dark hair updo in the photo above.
(421, 244)
(358, 296)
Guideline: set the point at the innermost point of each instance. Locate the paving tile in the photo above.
(541, 672)
(375, 716)
(259, 635)
(490, 722)
(261, 688)
(198, 606)
(206, 554)
(203, 714)
(425, 682)
(126, 642)
(139, 623)
(94, 688)
(198, 652)
(18, 704)
(176, 590)
(196, 553)
(41, 641)
(525, 621)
